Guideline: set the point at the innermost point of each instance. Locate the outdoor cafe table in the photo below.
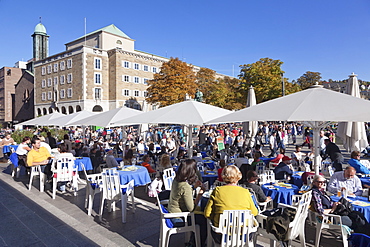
(6, 149)
(140, 175)
(281, 192)
(86, 161)
(297, 179)
(210, 177)
(359, 203)
(267, 160)
(209, 163)
(365, 180)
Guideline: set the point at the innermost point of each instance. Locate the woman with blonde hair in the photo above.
(228, 197)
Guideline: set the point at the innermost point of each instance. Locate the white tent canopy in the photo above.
(108, 118)
(316, 106)
(67, 119)
(43, 120)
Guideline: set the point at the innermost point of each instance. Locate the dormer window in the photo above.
(119, 42)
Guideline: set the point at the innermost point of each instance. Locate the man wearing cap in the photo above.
(282, 171)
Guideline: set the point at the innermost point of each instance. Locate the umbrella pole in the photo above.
(190, 140)
(316, 143)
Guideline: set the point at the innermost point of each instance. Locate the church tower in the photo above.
(40, 42)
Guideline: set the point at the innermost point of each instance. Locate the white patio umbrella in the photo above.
(108, 118)
(67, 119)
(43, 120)
(188, 113)
(353, 134)
(315, 106)
(250, 128)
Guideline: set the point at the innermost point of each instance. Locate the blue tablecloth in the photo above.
(365, 210)
(365, 180)
(266, 160)
(140, 176)
(209, 163)
(280, 194)
(119, 160)
(297, 179)
(6, 149)
(211, 177)
(83, 160)
(359, 240)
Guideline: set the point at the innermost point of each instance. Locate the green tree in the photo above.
(205, 78)
(172, 83)
(225, 93)
(265, 76)
(308, 79)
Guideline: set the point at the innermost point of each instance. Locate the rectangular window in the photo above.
(126, 78)
(145, 93)
(126, 64)
(69, 78)
(136, 93)
(62, 65)
(49, 69)
(69, 63)
(145, 81)
(43, 71)
(126, 92)
(69, 93)
(43, 96)
(49, 82)
(55, 80)
(97, 93)
(136, 66)
(43, 83)
(154, 70)
(97, 78)
(62, 93)
(146, 68)
(136, 79)
(62, 79)
(50, 95)
(56, 67)
(97, 63)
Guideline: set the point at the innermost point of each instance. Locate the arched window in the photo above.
(70, 109)
(64, 111)
(50, 110)
(97, 108)
(39, 112)
(44, 111)
(78, 108)
(119, 42)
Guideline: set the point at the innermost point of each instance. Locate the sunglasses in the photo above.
(321, 182)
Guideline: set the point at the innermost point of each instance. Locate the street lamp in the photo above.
(282, 85)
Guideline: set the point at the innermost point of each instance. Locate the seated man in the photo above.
(355, 163)
(146, 164)
(39, 156)
(7, 140)
(345, 180)
(252, 178)
(241, 160)
(110, 160)
(282, 171)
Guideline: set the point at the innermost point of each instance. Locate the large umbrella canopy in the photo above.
(108, 118)
(353, 134)
(250, 128)
(187, 112)
(315, 106)
(66, 119)
(44, 120)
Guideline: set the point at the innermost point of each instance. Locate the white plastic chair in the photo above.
(218, 183)
(236, 227)
(261, 206)
(36, 171)
(366, 163)
(168, 177)
(310, 179)
(260, 168)
(267, 177)
(200, 166)
(295, 228)
(111, 190)
(65, 172)
(93, 186)
(330, 221)
(167, 227)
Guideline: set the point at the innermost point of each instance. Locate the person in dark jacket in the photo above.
(282, 171)
(333, 151)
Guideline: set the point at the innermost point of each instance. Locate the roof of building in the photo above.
(40, 29)
(109, 29)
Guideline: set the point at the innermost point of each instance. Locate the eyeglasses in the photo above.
(321, 182)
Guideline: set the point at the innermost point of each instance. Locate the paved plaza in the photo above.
(32, 218)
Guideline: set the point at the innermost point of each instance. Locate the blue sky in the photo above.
(331, 36)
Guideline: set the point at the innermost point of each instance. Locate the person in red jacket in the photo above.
(146, 164)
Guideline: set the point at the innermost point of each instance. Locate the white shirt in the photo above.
(20, 149)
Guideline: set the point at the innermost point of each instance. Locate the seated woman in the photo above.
(252, 178)
(228, 197)
(146, 164)
(298, 156)
(164, 163)
(181, 196)
(355, 163)
(219, 171)
(321, 202)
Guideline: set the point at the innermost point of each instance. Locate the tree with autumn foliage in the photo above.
(266, 77)
(205, 78)
(175, 79)
(225, 93)
(308, 79)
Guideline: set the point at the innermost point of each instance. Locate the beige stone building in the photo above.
(97, 72)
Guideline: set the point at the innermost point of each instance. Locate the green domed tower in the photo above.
(40, 42)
